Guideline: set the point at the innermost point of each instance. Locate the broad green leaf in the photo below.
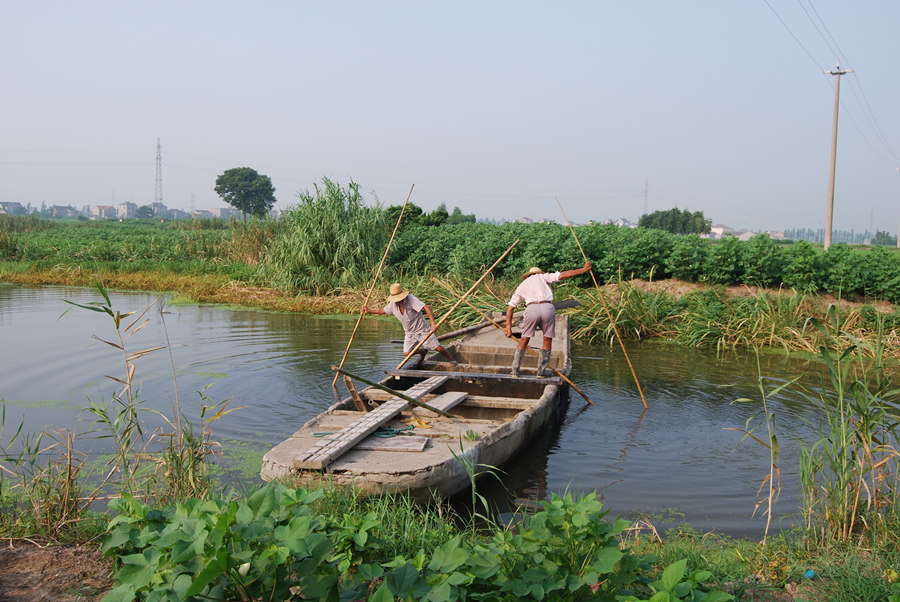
(673, 574)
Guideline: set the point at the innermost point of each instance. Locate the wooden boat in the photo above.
(494, 415)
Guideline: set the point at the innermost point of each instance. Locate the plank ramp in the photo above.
(333, 446)
(413, 443)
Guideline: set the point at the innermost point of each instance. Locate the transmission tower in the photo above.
(157, 196)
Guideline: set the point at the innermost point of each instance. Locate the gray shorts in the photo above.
(411, 340)
(539, 315)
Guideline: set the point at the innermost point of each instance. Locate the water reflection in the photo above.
(675, 459)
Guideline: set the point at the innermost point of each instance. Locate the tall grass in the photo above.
(850, 476)
(330, 240)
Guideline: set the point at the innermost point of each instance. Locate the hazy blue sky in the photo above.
(614, 107)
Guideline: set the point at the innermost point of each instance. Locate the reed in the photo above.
(330, 240)
(850, 476)
(41, 486)
(770, 487)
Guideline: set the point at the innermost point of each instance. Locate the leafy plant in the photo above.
(763, 261)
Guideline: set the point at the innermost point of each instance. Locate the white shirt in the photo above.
(534, 288)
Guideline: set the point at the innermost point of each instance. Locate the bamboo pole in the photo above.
(372, 288)
(606, 307)
(533, 352)
(447, 315)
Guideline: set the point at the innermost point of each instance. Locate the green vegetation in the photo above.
(676, 222)
(328, 241)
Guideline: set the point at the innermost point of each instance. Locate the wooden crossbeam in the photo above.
(545, 380)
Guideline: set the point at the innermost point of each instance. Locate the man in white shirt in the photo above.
(539, 312)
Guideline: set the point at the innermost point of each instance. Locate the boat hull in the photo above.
(498, 415)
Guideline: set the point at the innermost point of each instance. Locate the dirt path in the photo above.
(30, 572)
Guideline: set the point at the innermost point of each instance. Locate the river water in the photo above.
(676, 463)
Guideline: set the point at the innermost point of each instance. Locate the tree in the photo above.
(411, 215)
(437, 217)
(458, 217)
(676, 222)
(246, 191)
(144, 211)
(883, 238)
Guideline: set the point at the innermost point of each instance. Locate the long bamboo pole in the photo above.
(533, 352)
(608, 313)
(457, 304)
(372, 288)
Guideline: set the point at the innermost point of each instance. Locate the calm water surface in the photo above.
(676, 462)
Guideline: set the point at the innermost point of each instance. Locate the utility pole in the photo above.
(834, 129)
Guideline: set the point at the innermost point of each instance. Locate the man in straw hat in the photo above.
(539, 312)
(408, 309)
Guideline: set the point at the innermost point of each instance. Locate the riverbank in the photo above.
(687, 313)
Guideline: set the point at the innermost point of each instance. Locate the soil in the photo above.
(34, 572)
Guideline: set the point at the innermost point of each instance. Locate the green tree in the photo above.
(883, 238)
(437, 217)
(246, 190)
(676, 221)
(144, 211)
(411, 215)
(458, 217)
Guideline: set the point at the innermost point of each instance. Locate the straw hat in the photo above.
(532, 272)
(397, 293)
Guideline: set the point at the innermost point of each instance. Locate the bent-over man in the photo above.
(408, 310)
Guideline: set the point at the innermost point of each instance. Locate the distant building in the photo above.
(103, 212)
(63, 211)
(201, 214)
(126, 210)
(225, 212)
(620, 223)
(12, 208)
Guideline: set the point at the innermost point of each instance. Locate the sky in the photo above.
(615, 108)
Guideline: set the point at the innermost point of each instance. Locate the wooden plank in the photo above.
(492, 376)
(333, 446)
(444, 402)
(400, 443)
(500, 403)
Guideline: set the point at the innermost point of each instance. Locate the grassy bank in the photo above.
(694, 315)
